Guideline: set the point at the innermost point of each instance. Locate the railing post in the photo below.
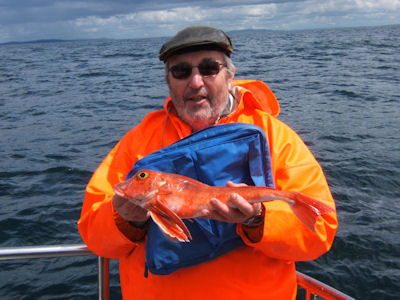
(104, 289)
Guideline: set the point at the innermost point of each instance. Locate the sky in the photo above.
(26, 20)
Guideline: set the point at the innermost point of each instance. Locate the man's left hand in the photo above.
(237, 210)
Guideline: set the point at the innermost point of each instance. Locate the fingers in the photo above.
(232, 184)
(237, 210)
(118, 201)
(247, 209)
(224, 212)
(130, 211)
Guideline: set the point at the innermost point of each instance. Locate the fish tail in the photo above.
(308, 209)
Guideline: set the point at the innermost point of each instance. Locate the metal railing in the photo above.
(59, 251)
(313, 287)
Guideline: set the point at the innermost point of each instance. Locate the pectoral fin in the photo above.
(170, 224)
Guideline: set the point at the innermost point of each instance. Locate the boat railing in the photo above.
(314, 289)
(59, 251)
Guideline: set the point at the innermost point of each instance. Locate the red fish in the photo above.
(171, 198)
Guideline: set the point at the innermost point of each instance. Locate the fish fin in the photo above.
(170, 224)
(308, 209)
(170, 230)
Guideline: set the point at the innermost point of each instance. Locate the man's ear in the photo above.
(230, 79)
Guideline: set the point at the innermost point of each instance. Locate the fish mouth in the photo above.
(148, 196)
(119, 192)
(140, 200)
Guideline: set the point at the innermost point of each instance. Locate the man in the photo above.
(203, 92)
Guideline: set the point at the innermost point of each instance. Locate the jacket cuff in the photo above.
(254, 230)
(135, 234)
(254, 234)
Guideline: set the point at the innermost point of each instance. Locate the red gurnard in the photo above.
(171, 198)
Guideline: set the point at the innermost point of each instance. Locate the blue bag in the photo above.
(237, 152)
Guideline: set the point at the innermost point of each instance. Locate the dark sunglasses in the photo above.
(206, 68)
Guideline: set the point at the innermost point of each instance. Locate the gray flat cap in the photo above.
(194, 38)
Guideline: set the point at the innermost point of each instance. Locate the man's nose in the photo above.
(196, 79)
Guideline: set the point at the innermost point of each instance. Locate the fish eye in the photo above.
(142, 175)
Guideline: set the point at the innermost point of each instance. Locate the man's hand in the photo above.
(130, 212)
(237, 210)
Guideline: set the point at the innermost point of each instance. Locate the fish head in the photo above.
(142, 188)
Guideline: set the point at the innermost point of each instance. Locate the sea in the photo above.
(65, 104)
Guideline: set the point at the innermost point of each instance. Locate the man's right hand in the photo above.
(136, 215)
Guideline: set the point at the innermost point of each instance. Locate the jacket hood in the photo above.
(258, 95)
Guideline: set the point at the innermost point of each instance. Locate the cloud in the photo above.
(338, 13)
(153, 21)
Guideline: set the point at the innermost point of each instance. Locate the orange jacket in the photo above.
(262, 270)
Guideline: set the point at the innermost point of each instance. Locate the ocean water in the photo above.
(63, 105)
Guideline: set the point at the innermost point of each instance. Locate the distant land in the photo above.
(61, 40)
(35, 41)
(229, 32)
(251, 30)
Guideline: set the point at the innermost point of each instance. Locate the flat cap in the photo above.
(194, 38)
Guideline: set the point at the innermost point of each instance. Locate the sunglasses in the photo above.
(206, 68)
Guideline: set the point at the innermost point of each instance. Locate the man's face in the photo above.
(199, 100)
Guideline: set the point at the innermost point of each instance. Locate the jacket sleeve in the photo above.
(294, 169)
(100, 226)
